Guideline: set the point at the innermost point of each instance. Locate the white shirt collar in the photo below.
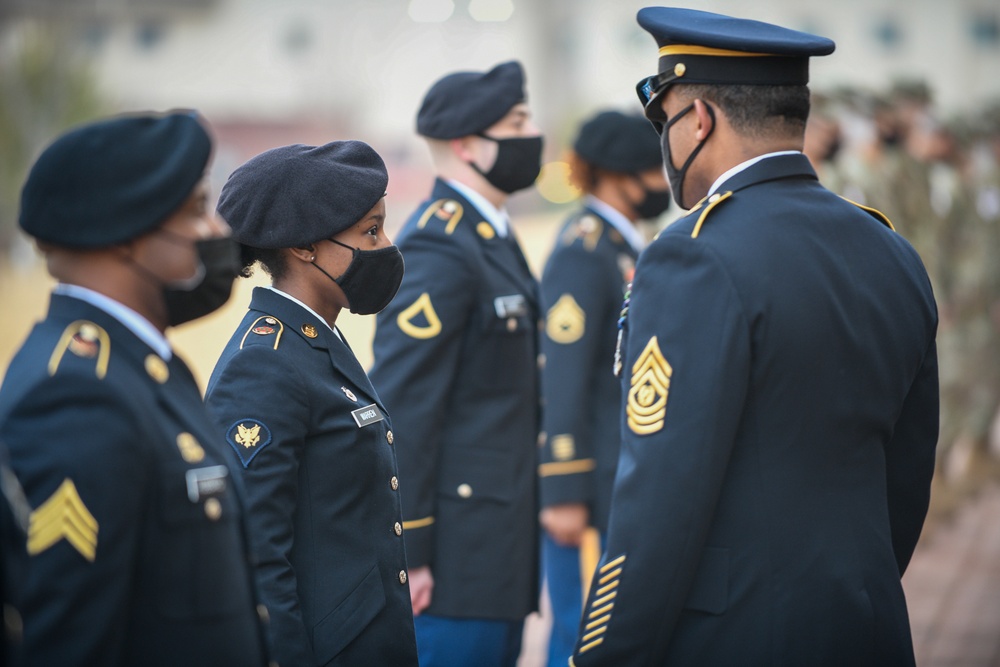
(745, 165)
(618, 221)
(133, 321)
(494, 216)
(310, 310)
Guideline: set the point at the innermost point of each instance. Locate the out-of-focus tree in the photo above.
(45, 87)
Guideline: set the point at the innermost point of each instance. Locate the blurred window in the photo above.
(149, 35)
(984, 28)
(889, 34)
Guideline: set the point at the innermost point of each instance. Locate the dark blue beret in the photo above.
(702, 47)
(619, 142)
(465, 103)
(113, 180)
(295, 195)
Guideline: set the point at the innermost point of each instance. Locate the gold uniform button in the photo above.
(464, 490)
(398, 528)
(213, 509)
(388, 436)
(402, 576)
(262, 613)
(309, 331)
(394, 483)
(157, 368)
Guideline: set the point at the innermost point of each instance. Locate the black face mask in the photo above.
(371, 279)
(676, 176)
(518, 163)
(209, 288)
(653, 203)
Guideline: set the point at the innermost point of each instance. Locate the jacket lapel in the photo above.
(296, 319)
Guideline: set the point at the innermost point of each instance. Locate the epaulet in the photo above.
(878, 215)
(588, 228)
(709, 204)
(448, 211)
(86, 340)
(265, 326)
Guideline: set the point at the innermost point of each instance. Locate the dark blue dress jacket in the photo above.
(456, 361)
(779, 419)
(136, 542)
(582, 290)
(315, 446)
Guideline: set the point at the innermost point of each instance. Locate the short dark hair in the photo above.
(272, 260)
(756, 111)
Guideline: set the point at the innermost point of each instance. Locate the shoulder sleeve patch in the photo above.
(248, 437)
(446, 210)
(647, 395)
(265, 326)
(86, 340)
(713, 201)
(878, 215)
(566, 320)
(418, 320)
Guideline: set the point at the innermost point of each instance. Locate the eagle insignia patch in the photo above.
(647, 396)
(248, 437)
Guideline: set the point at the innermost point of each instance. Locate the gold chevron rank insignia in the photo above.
(422, 306)
(647, 397)
(565, 322)
(63, 517)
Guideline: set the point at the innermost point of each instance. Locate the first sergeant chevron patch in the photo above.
(63, 516)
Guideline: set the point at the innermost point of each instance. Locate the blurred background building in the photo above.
(267, 72)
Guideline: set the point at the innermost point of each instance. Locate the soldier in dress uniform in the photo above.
(456, 362)
(137, 552)
(616, 161)
(780, 385)
(301, 419)
(14, 517)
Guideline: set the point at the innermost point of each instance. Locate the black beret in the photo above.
(465, 103)
(113, 180)
(619, 142)
(295, 195)
(702, 47)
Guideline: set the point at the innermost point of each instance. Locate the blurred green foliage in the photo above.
(46, 85)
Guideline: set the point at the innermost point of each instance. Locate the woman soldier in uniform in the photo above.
(617, 162)
(312, 436)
